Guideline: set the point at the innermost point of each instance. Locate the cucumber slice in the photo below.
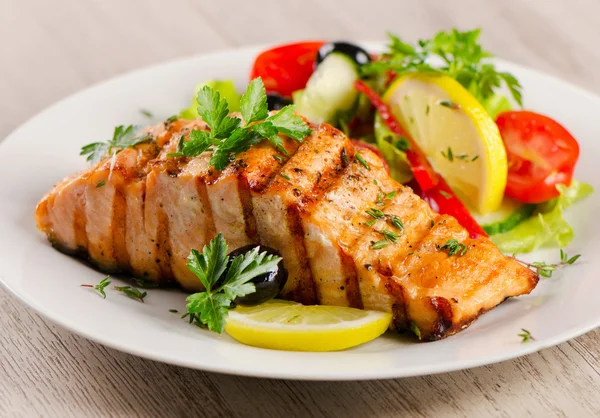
(329, 90)
(517, 217)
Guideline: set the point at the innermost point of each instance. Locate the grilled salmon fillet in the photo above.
(141, 212)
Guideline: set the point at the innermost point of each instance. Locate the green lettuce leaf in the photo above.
(386, 141)
(227, 90)
(496, 104)
(547, 227)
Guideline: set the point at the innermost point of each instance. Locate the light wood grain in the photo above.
(51, 49)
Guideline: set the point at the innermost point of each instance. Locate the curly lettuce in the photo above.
(547, 227)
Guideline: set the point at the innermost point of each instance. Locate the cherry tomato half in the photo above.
(541, 154)
(286, 68)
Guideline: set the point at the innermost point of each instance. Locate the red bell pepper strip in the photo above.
(433, 188)
(422, 170)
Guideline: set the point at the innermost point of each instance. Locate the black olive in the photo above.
(277, 102)
(267, 285)
(355, 52)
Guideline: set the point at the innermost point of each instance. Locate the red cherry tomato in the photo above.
(541, 154)
(358, 144)
(286, 68)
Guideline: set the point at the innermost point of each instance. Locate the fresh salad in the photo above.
(446, 122)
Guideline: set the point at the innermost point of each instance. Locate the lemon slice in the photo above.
(453, 129)
(283, 325)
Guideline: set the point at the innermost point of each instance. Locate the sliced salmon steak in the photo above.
(349, 234)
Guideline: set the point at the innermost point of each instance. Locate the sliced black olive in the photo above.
(355, 52)
(277, 102)
(267, 285)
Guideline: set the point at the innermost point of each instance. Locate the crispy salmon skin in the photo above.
(349, 234)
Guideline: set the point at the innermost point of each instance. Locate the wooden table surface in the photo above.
(50, 49)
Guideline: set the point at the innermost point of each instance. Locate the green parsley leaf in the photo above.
(95, 151)
(267, 130)
(459, 55)
(227, 137)
(209, 265)
(253, 103)
(290, 124)
(211, 307)
(211, 107)
(199, 142)
(123, 137)
(100, 183)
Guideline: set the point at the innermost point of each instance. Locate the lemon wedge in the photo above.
(453, 129)
(290, 326)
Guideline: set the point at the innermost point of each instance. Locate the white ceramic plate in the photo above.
(46, 148)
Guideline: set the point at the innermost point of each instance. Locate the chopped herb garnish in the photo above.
(375, 182)
(377, 245)
(454, 247)
(285, 176)
(100, 286)
(227, 137)
(445, 194)
(402, 144)
(180, 146)
(379, 199)
(146, 113)
(132, 292)
(427, 110)
(279, 158)
(525, 336)
(448, 104)
(390, 195)
(362, 161)
(474, 158)
(389, 235)
(100, 183)
(173, 311)
(171, 119)
(123, 137)
(375, 213)
(431, 223)
(415, 329)
(546, 270)
(395, 221)
(371, 222)
(211, 307)
(448, 154)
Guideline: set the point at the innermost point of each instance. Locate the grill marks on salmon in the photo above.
(153, 209)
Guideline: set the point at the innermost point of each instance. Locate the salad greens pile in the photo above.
(547, 227)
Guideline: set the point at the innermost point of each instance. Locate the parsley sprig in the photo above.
(227, 135)
(211, 307)
(123, 137)
(460, 56)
